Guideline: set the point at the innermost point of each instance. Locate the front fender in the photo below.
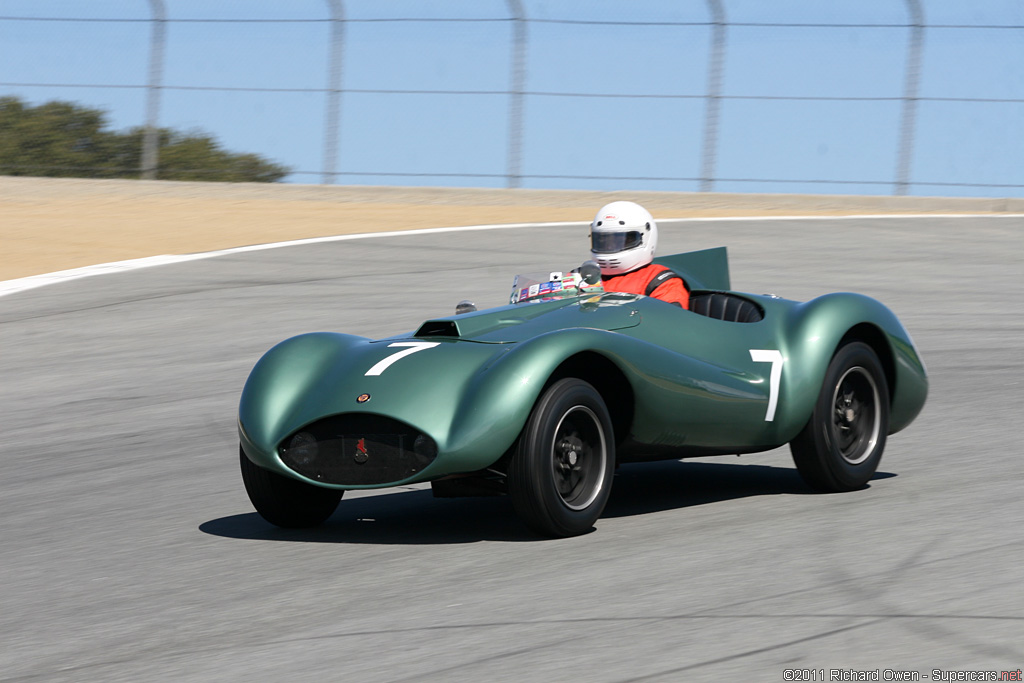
(279, 388)
(499, 400)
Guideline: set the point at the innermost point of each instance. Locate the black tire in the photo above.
(560, 475)
(842, 444)
(287, 502)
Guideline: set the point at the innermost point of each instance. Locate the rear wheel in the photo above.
(286, 502)
(842, 444)
(560, 475)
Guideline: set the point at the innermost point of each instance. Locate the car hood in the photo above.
(519, 322)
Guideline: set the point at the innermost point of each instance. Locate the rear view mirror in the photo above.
(591, 272)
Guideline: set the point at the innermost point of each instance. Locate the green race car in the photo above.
(542, 399)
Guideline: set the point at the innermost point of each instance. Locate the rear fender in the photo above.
(818, 328)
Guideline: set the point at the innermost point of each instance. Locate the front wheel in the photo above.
(842, 444)
(287, 502)
(560, 475)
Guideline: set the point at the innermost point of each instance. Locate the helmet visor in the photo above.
(614, 242)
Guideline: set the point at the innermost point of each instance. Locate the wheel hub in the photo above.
(855, 421)
(847, 410)
(570, 449)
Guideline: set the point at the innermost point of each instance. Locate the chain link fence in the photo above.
(706, 96)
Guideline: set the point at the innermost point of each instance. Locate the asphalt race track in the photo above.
(130, 551)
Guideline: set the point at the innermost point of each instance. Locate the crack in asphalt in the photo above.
(873, 618)
(933, 630)
(750, 653)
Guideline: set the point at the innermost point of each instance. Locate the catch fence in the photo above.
(536, 104)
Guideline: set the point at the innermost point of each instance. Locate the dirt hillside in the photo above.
(51, 224)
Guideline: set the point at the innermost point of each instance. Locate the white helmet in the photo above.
(622, 238)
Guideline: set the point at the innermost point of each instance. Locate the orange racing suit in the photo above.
(652, 280)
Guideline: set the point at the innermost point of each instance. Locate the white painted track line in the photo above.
(34, 281)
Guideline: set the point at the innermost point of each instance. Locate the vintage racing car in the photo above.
(542, 398)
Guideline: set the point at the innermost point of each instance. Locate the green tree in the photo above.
(63, 139)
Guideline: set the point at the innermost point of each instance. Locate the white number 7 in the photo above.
(413, 347)
(774, 357)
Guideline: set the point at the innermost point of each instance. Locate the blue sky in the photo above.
(651, 141)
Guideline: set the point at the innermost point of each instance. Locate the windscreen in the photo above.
(549, 285)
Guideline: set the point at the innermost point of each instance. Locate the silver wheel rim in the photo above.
(856, 415)
(578, 457)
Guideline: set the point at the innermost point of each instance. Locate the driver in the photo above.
(622, 241)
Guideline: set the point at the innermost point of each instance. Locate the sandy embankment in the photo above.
(51, 224)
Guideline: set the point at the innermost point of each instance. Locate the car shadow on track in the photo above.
(653, 487)
(404, 518)
(416, 517)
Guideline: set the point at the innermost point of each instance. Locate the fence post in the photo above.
(517, 86)
(333, 115)
(151, 136)
(908, 119)
(713, 99)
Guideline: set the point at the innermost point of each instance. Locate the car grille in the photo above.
(358, 449)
